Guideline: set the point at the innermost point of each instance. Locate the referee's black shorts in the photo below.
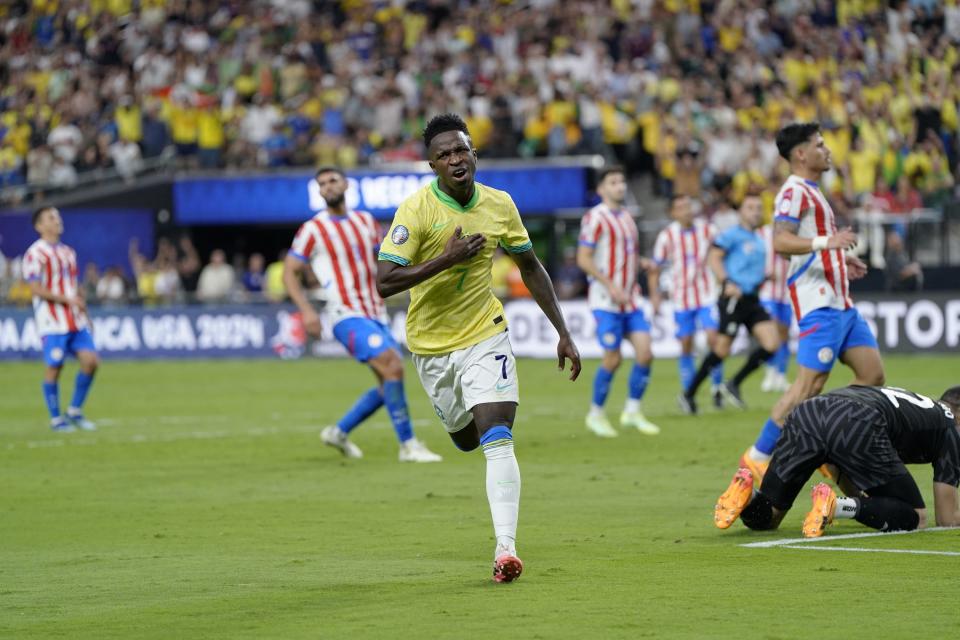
(745, 310)
(842, 432)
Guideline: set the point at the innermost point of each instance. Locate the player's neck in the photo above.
(50, 238)
(462, 196)
(612, 205)
(339, 210)
(807, 174)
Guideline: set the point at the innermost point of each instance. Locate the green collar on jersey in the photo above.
(450, 202)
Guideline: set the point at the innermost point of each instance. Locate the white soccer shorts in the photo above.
(458, 381)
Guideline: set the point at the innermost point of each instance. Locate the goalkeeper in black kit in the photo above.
(865, 436)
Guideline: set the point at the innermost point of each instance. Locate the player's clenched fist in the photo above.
(844, 239)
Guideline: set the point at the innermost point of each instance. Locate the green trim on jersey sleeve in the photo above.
(389, 257)
(519, 248)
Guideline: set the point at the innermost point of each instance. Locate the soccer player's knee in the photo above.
(876, 378)
(612, 360)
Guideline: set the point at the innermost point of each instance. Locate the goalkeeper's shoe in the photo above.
(821, 513)
(757, 468)
(734, 500)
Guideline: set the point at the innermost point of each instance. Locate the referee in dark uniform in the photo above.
(738, 260)
(866, 436)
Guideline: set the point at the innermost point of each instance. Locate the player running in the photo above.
(830, 326)
(868, 434)
(608, 253)
(441, 246)
(340, 245)
(50, 267)
(684, 244)
(738, 260)
(775, 299)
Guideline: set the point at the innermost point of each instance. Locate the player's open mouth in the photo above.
(459, 173)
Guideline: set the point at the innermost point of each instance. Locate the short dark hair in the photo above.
(441, 124)
(952, 397)
(793, 135)
(39, 212)
(609, 171)
(329, 168)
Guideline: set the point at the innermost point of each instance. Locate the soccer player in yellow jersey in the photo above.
(440, 246)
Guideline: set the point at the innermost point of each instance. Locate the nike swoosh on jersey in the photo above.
(439, 225)
(503, 387)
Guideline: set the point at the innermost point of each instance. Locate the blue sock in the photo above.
(366, 406)
(51, 396)
(601, 386)
(716, 376)
(639, 376)
(80, 390)
(688, 369)
(396, 401)
(782, 359)
(495, 435)
(768, 437)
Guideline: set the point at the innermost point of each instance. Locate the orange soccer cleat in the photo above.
(734, 500)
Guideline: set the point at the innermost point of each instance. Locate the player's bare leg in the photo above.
(632, 415)
(596, 419)
(494, 423)
(866, 364)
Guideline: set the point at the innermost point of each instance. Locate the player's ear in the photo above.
(432, 168)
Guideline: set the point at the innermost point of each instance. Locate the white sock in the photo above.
(595, 410)
(503, 490)
(758, 456)
(632, 405)
(846, 508)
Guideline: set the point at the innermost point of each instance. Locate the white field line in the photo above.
(846, 536)
(809, 543)
(918, 552)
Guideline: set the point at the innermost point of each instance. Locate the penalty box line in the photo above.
(809, 543)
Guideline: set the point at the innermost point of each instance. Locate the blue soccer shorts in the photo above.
(708, 318)
(826, 333)
(781, 312)
(56, 347)
(613, 326)
(364, 338)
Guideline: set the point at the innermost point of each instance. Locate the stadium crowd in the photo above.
(690, 90)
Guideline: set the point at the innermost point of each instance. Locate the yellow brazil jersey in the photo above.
(456, 308)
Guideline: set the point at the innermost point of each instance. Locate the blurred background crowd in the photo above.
(686, 94)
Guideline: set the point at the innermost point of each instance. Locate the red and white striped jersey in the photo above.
(685, 250)
(55, 267)
(342, 252)
(615, 240)
(775, 286)
(817, 279)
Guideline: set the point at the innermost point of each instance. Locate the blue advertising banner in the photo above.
(101, 236)
(178, 332)
(291, 198)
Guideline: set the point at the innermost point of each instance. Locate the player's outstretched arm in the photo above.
(787, 242)
(541, 288)
(393, 278)
(946, 504)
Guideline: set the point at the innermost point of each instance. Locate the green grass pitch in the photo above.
(206, 507)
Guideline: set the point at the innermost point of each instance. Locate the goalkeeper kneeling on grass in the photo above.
(865, 436)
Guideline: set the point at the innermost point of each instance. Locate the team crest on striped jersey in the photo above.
(400, 234)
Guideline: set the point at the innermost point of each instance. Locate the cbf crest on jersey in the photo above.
(400, 234)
